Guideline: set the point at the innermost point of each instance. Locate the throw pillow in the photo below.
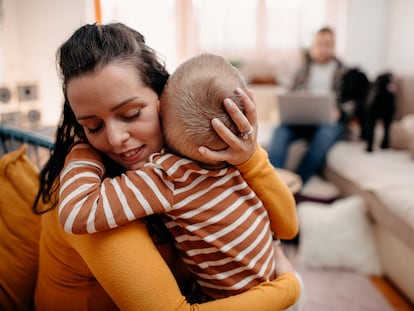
(19, 231)
(337, 235)
(402, 133)
(399, 137)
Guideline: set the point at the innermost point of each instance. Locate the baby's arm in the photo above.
(261, 176)
(127, 264)
(88, 204)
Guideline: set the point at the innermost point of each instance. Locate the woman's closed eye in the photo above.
(131, 114)
(94, 129)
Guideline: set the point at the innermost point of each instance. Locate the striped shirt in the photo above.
(220, 226)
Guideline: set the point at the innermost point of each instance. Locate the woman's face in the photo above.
(118, 113)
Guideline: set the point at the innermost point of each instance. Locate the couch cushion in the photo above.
(19, 231)
(402, 132)
(389, 174)
(411, 148)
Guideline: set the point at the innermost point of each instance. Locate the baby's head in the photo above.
(193, 96)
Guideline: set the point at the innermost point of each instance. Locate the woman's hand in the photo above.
(240, 147)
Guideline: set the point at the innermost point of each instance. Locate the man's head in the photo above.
(193, 96)
(323, 46)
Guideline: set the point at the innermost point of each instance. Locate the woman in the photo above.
(112, 82)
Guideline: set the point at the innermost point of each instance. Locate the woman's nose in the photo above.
(117, 135)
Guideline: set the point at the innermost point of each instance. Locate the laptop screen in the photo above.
(304, 108)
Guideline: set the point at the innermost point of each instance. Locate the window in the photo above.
(270, 35)
(225, 25)
(154, 19)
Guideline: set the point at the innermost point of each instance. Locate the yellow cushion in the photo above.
(19, 231)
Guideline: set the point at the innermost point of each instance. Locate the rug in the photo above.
(337, 290)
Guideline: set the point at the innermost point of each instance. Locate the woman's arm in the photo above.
(274, 193)
(127, 264)
(252, 161)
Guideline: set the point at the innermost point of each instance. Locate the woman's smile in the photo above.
(132, 155)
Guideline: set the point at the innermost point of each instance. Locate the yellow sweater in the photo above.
(133, 273)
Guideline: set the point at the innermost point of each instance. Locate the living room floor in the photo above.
(341, 290)
(394, 297)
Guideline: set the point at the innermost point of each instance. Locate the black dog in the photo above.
(353, 95)
(381, 106)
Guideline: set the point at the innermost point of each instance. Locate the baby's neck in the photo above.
(209, 166)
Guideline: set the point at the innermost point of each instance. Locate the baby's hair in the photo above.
(193, 96)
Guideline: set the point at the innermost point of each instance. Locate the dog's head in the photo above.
(385, 83)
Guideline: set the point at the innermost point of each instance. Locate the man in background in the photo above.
(322, 73)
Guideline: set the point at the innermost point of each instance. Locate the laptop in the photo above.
(305, 108)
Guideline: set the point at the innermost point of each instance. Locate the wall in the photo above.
(32, 32)
(367, 35)
(400, 45)
(379, 36)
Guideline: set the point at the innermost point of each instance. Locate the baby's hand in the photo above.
(240, 147)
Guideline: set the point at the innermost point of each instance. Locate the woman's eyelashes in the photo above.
(127, 116)
(93, 130)
(131, 114)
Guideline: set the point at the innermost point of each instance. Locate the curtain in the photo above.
(264, 38)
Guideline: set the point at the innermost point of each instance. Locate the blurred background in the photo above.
(265, 39)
